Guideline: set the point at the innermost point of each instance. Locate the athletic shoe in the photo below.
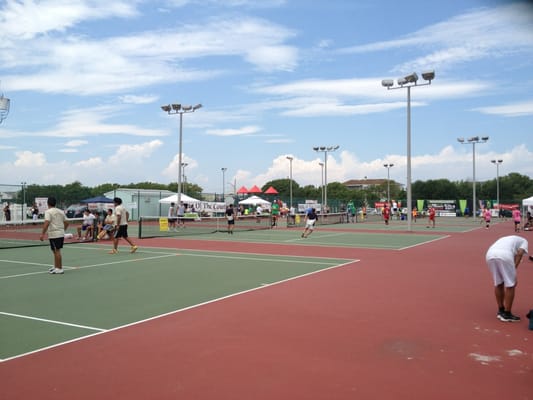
(56, 271)
(500, 313)
(113, 251)
(133, 249)
(51, 269)
(509, 317)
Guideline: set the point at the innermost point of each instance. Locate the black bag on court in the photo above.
(530, 316)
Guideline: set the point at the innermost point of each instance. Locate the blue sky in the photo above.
(87, 78)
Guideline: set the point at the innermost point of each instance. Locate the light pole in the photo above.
(183, 165)
(23, 197)
(388, 166)
(407, 83)
(180, 109)
(321, 183)
(325, 150)
(290, 158)
(497, 163)
(223, 183)
(473, 140)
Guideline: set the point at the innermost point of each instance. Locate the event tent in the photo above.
(528, 202)
(271, 190)
(174, 199)
(254, 201)
(98, 199)
(254, 189)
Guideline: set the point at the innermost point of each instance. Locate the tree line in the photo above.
(513, 188)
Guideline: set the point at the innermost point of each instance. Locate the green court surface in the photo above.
(328, 237)
(99, 292)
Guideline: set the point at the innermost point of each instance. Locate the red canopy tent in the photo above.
(255, 189)
(271, 190)
(242, 190)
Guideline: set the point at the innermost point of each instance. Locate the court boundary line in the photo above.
(194, 306)
(429, 241)
(92, 328)
(185, 249)
(70, 268)
(329, 245)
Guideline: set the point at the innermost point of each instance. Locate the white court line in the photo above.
(257, 259)
(53, 321)
(260, 287)
(426, 242)
(83, 267)
(320, 235)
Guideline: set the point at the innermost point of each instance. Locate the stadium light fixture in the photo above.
(473, 140)
(408, 82)
(177, 108)
(411, 78)
(428, 75)
(326, 150)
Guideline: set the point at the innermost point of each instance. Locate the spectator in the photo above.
(7, 212)
(108, 226)
(503, 258)
(87, 226)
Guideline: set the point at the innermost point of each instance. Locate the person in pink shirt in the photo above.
(517, 217)
(487, 216)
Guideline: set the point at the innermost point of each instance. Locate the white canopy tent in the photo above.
(255, 201)
(174, 199)
(528, 202)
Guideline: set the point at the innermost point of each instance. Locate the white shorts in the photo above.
(502, 272)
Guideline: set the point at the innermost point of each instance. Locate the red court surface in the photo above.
(413, 324)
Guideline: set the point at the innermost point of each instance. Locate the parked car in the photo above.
(75, 211)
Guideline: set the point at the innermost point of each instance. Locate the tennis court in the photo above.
(100, 292)
(265, 314)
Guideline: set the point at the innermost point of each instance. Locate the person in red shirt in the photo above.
(386, 214)
(431, 217)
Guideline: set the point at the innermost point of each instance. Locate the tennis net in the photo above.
(27, 233)
(150, 227)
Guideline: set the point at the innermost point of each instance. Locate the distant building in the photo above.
(139, 202)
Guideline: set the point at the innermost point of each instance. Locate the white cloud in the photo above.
(133, 99)
(509, 110)
(245, 130)
(89, 122)
(76, 143)
(171, 170)
(29, 159)
(68, 64)
(28, 19)
(90, 163)
(128, 154)
(491, 32)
